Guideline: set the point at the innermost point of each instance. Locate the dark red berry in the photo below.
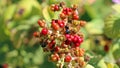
(44, 31)
(67, 58)
(67, 42)
(57, 49)
(106, 48)
(77, 44)
(51, 45)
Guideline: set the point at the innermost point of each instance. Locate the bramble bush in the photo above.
(59, 33)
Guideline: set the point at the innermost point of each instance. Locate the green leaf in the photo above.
(9, 12)
(27, 7)
(102, 64)
(89, 66)
(112, 26)
(116, 53)
(46, 14)
(95, 26)
(116, 7)
(116, 66)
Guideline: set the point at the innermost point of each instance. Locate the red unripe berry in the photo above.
(67, 58)
(75, 17)
(44, 31)
(72, 37)
(80, 40)
(36, 34)
(75, 13)
(75, 39)
(67, 11)
(63, 16)
(67, 36)
(77, 44)
(82, 23)
(69, 39)
(41, 23)
(55, 26)
(56, 8)
(61, 23)
(64, 9)
(70, 10)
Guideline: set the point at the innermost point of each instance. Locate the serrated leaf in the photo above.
(116, 7)
(46, 14)
(8, 14)
(116, 54)
(95, 26)
(112, 28)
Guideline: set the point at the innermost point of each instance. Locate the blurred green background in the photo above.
(18, 21)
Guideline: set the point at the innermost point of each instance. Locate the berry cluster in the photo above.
(63, 38)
